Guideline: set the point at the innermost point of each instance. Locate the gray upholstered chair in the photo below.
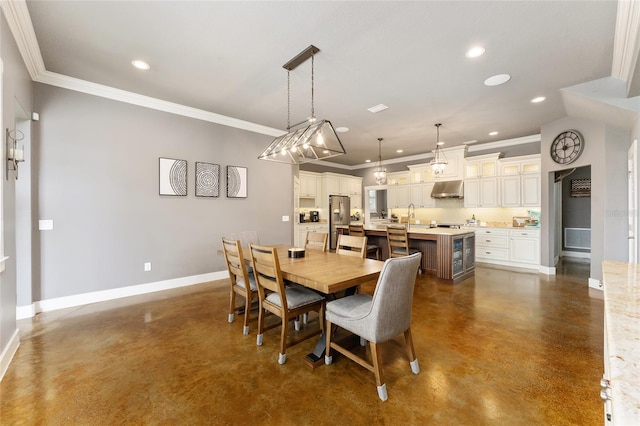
(286, 302)
(242, 282)
(378, 318)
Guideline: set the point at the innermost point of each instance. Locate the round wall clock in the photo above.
(567, 147)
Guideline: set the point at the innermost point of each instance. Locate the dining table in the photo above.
(325, 272)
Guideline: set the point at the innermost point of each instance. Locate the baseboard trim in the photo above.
(48, 305)
(547, 270)
(595, 284)
(579, 254)
(8, 353)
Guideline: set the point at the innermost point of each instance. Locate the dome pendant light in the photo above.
(380, 173)
(439, 161)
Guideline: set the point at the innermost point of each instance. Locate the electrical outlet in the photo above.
(147, 266)
(45, 225)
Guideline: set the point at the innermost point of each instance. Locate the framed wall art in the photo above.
(236, 182)
(173, 177)
(207, 180)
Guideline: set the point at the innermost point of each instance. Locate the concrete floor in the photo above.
(503, 348)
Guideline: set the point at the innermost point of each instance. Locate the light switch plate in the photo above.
(45, 225)
(285, 218)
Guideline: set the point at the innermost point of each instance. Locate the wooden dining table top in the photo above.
(325, 272)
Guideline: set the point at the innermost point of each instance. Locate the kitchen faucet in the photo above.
(410, 215)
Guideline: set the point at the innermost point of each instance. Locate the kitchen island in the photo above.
(447, 253)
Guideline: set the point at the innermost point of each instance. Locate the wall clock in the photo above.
(567, 147)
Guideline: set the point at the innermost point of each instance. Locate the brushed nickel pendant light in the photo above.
(439, 161)
(313, 139)
(380, 173)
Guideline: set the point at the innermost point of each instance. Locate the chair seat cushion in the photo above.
(352, 307)
(252, 282)
(296, 296)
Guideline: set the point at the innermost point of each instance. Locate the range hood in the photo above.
(448, 189)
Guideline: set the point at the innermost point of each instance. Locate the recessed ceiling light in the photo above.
(367, 161)
(378, 108)
(493, 133)
(141, 65)
(342, 129)
(474, 52)
(538, 99)
(497, 80)
(399, 151)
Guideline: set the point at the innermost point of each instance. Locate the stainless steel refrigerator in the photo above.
(339, 214)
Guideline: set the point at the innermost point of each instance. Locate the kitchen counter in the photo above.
(416, 229)
(622, 339)
(447, 253)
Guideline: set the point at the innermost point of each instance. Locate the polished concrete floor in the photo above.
(503, 348)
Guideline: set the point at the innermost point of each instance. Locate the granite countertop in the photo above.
(416, 229)
(622, 334)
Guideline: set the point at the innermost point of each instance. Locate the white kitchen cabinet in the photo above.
(300, 236)
(524, 246)
(510, 191)
(309, 183)
(421, 195)
(356, 201)
(517, 247)
(331, 185)
(492, 245)
(398, 196)
(481, 192)
(520, 181)
(355, 186)
(398, 178)
(481, 166)
(531, 196)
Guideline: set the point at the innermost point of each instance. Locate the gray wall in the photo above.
(606, 151)
(16, 89)
(98, 182)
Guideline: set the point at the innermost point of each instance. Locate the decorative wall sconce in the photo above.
(14, 151)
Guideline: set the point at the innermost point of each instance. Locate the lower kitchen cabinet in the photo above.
(524, 246)
(300, 234)
(517, 247)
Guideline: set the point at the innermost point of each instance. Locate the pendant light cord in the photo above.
(288, 100)
(313, 114)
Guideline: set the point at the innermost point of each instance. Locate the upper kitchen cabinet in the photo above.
(310, 185)
(398, 178)
(481, 166)
(520, 181)
(455, 163)
(481, 181)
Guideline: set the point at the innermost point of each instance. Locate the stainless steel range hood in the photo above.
(448, 189)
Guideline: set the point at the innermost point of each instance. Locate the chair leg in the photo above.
(247, 311)
(260, 327)
(282, 357)
(232, 305)
(377, 370)
(415, 367)
(328, 359)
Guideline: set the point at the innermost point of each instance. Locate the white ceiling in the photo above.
(227, 57)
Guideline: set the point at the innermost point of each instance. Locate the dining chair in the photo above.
(242, 282)
(357, 230)
(398, 242)
(352, 246)
(286, 302)
(378, 318)
(316, 241)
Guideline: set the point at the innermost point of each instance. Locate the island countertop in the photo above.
(622, 339)
(416, 229)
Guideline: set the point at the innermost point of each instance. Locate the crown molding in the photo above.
(19, 21)
(71, 83)
(505, 143)
(626, 43)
